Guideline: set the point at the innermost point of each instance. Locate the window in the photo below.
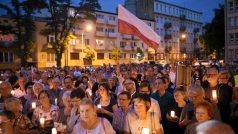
(236, 37)
(51, 38)
(99, 29)
(161, 8)
(112, 18)
(100, 42)
(6, 57)
(111, 30)
(123, 55)
(74, 56)
(122, 44)
(132, 56)
(231, 6)
(231, 37)
(100, 56)
(236, 6)
(87, 41)
(232, 20)
(157, 6)
(50, 57)
(99, 16)
(237, 21)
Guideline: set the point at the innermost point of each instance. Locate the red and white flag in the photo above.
(130, 24)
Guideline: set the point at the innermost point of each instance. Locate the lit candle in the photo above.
(214, 94)
(99, 106)
(53, 131)
(172, 114)
(42, 122)
(13, 92)
(33, 105)
(145, 131)
(56, 101)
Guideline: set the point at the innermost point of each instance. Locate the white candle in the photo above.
(13, 92)
(33, 105)
(172, 114)
(99, 106)
(214, 94)
(56, 101)
(53, 131)
(145, 131)
(42, 122)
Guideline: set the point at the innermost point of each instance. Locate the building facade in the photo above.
(231, 31)
(172, 21)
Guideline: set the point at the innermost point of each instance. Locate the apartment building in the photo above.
(231, 31)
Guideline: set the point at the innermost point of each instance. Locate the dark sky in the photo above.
(204, 6)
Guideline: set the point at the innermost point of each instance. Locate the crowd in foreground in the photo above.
(122, 99)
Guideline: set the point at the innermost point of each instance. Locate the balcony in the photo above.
(78, 32)
(112, 35)
(182, 28)
(100, 21)
(196, 30)
(135, 38)
(100, 34)
(112, 22)
(168, 36)
(183, 50)
(100, 47)
(127, 37)
(182, 17)
(76, 47)
(167, 25)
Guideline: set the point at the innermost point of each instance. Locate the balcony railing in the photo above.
(182, 17)
(112, 22)
(100, 34)
(182, 28)
(168, 36)
(167, 25)
(128, 37)
(101, 21)
(112, 35)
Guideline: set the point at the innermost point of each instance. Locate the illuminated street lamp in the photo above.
(88, 29)
(183, 36)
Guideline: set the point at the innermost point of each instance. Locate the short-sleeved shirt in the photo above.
(109, 108)
(23, 122)
(135, 125)
(103, 127)
(50, 115)
(119, 118)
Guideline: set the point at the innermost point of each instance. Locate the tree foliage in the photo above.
(61, 23)
(214, 36)
(22, 26)
(89, 53)
(140, 55)
(115, 54)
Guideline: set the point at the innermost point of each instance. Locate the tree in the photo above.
(214, 36)
(61, 23)
(23, 27)
(140, 55)
(89, 53)
(115, 54)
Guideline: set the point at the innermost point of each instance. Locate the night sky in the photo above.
(204, 6)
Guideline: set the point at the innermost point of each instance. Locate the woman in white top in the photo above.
(89, 122)
(141, 120)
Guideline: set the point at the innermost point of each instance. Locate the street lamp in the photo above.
(88, 29)
(183, 36)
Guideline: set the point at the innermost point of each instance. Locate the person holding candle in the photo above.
(203, 112)
(45, 110)
(22, 123)
(196, 95)
(5, 91)
(141, 118)
(107, 102)
(175, 110)
(89, 122)
(55, 92)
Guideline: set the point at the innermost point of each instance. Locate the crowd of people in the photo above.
(119, 99)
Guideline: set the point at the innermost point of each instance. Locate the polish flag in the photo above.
(130, 24)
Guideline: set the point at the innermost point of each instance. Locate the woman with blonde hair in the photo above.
(89, 122)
